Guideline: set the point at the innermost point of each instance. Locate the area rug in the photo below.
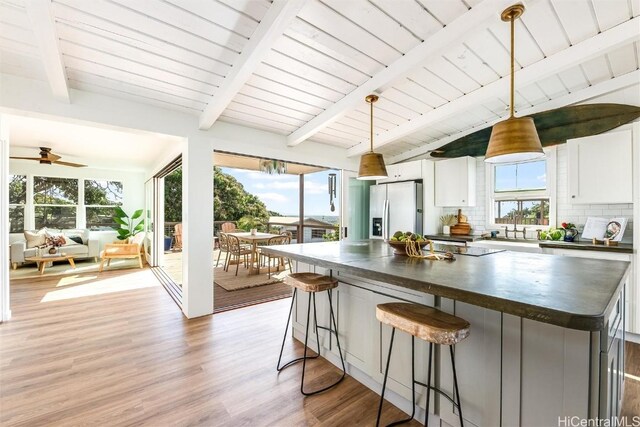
(230, 282)
(59, 268)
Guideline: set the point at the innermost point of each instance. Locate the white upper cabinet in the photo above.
(456, 182)
(600, 168)
(406, 171)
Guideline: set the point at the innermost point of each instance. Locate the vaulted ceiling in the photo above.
(302, 68)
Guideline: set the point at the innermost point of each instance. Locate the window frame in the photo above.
(522, 195)
(84, 206)
(22, 205)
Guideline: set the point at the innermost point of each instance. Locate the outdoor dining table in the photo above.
(254, 239)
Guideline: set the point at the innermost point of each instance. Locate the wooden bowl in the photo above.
(400, 248)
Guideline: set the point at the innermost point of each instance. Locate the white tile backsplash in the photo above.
(566, 211)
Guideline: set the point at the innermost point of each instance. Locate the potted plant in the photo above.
(128, 226)
(570, 231)
(447, 221)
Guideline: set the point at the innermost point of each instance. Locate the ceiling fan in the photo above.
(48, 158)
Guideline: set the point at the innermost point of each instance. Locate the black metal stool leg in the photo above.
(455, 385)
(413, 387)
(386, 374)
(315, 321)
(426, 416)
(331, 330)
(335, 325)
(306, 339)
(284, 338)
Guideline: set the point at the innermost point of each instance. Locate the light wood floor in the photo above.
(115, 350)
(89, 350)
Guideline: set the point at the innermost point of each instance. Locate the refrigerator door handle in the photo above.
(385, 220)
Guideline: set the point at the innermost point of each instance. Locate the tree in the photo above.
(231, 201)
(173, 196)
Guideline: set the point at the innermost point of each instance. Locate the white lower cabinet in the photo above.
(511, 371)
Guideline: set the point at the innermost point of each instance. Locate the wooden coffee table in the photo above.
(43, 260)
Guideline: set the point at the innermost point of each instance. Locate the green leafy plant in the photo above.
(126, 223)
(331, 236)
(248, 222)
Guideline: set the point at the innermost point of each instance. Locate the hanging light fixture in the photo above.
(272, 167)
(372, 164)
(514, 139)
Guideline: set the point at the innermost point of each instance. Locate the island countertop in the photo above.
(575, 293)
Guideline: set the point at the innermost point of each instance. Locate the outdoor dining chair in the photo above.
(235, 249)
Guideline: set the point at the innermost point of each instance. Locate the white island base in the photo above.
(511, 371)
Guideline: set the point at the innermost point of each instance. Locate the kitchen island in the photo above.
(547, 332)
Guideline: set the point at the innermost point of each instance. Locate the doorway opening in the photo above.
(164, 214)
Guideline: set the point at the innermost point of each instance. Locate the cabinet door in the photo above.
(600, 168)
(355, 315)
(409, 171)
(455, 182)
(392, 174)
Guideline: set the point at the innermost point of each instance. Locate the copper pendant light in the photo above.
(372, 164)
(514, 139)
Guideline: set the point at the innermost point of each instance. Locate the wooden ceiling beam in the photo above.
(44, 28)
(277, 19)
(579, 96)
(579, 53)
(476, 18)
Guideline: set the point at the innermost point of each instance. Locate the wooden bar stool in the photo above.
(312, 283)
(428, 324)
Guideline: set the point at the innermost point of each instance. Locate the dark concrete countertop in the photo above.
(586, 245)
(575, 293)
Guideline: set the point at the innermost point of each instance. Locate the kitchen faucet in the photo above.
(515, 230)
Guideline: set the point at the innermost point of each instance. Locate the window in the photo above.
(55, 202)
(523, 212)
(17, 201)
(520, 192)
(100, 199)
(317, 233)
(529, 176)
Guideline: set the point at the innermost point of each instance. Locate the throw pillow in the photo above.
(35, 238)
(76, 239)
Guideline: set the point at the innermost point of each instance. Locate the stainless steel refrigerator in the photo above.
(395, 207)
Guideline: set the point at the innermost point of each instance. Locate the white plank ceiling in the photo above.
(177, 53)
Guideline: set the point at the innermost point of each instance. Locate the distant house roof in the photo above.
(294, 220)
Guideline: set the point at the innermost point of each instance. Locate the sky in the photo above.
(280, 192)
(522, 176)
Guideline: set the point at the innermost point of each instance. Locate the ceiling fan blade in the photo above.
(26, 158)
(75, 165)
(52, 157)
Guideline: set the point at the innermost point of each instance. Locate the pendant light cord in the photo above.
(371, 137)
(513, 77)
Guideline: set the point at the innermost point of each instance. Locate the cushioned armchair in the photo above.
(89, 248)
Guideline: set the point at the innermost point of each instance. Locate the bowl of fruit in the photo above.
(399, 241)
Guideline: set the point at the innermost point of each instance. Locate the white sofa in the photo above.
(89, 249)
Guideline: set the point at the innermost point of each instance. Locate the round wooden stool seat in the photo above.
(311, 282)
(426, 323)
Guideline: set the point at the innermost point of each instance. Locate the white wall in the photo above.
(132, 183)
(5, 313)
